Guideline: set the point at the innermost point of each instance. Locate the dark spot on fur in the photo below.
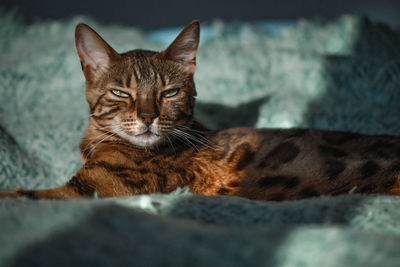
(192, 178)
(243, 156)
(367, 189)
(276, 197)
(332, 151)
(292, 182)
(122, 174)
(161, 181)
(143, 171)
(269, 181)
(389, 184)
(81, 186)
(135, 184)
(383, 149)
(235, 183)
(395, 167)
(198, 170)
(27, 193)
(309, 192)
(339, 138)
(368, 169)
(138, 162)
(223, 191)
(333, 168)
(155, 162)
(282, 153)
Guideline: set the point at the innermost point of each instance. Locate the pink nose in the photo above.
(147, 117)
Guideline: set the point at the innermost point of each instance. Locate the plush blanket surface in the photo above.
(342, 75)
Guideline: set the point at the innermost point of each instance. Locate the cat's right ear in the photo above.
(95, 54)
(183, 49)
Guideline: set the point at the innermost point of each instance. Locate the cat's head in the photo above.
(141, 96)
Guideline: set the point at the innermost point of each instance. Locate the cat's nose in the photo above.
(147, 118)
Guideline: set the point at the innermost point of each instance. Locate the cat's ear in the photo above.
(95, 54)
(184, 48)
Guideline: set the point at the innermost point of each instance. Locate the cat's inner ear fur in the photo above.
(95, 54)
(183, 49)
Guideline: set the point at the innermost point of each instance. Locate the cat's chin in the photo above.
(146, 140)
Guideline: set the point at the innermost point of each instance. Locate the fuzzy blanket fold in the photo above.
(341, 75)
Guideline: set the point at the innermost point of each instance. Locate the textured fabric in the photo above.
(340, 75)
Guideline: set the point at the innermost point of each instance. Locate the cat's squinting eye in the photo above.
(170, 92)
(119, 93)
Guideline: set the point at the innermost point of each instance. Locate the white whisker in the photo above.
(199, 139)
(183, 138)
(170, 142)
(98, 143)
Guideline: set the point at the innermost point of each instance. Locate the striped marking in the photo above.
(135, 184)
(102, 116)
(81, 186)
(128, 81)
(96, 104)
(281, 154)
(114, 167)
(161, 181)
(27, 193)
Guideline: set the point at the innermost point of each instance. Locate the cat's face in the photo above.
(141, 96)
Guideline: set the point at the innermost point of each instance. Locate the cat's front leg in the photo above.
(95, 179)
(79, 186)
(63, 192)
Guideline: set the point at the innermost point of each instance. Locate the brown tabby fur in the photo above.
(157, 146)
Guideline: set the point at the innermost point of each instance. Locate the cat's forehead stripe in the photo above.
(135, 73)
(128, 80)
(153, 71)
(162, 79)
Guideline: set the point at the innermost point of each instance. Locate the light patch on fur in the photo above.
(153, 138)
(146, 141)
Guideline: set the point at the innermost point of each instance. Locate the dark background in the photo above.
(151, 14)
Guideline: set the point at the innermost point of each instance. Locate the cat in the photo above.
(142, 138)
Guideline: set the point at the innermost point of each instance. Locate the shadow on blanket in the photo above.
(114, 235)
(136, 239)
(361, 88)
(221, 116)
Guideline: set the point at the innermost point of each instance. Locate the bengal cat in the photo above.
(142, 138)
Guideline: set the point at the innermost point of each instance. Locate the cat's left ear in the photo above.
(183, 49)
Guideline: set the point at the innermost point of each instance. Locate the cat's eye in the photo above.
(170, 92)
(119, 93)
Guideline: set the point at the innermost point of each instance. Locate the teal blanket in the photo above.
(343, 74)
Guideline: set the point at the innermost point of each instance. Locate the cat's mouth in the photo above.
(146, 133)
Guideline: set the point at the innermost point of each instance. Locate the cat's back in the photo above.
(297, 163)
(328, 144)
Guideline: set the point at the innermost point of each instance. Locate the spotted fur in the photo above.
(142, 138)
